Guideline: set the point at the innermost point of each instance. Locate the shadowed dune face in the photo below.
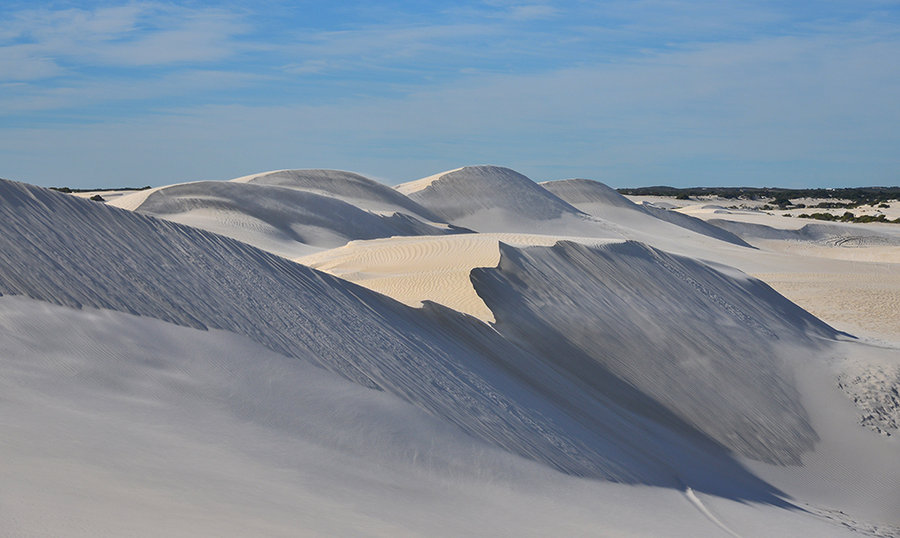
(586, 422)
(587, 191)
(347, 186)
(595, 198)
(275, 216)
(675, 329)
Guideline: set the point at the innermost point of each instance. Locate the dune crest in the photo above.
(558, 344)
(290, 213)
(470, 190)
(349, 187)
(595, 198)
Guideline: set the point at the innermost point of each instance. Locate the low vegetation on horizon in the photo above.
(70, 190)
(780, 196)
(783, 199)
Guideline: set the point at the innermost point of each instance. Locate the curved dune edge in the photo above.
(134, 200)
(419, 184)
(427, 268)
(536, 384)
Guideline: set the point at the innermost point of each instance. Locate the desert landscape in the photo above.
(314, 352)
(489, 268)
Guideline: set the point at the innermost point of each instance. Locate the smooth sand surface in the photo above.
(851, 279)
(620, 345)
(433, 268)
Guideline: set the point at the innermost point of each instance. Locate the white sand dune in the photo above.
(417, 269)
(843, 273)
(126, 426)
(413, 270)
(711, 395)
(78, 253)
(497, 199)
(595, 198)
(534, 292)
(287, 221)
(830, 234)
(420, 184)
(349, 187)
(491, 199)
(587, 191)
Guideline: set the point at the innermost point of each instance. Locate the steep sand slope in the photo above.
(352, 188)
(719, 348)
(77, 253)
(595, 198)
(617, 361)
(121, 425)
(417, 269)
(467, 191)
(284, 220)
(497, 199)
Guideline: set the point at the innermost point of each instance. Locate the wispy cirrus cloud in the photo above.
(648, 91)
(532, 11)
(43, 43)
(514, 10)
(97, 99)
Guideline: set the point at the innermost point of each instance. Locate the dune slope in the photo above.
(287, 221)
(352, 188)
(127, 426)
(719, 355)
(78, 253)
(617, 362)
(595, 198)
(465, 193)
(826, 234)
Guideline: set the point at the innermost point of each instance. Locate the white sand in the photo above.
(849, 278)
(419, 184)
(117, 425)
(859, 303)
(290, 213)
(715, 397)
(133, 200)
(416, 269)
(360, 191)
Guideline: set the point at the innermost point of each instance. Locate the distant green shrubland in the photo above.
(779, 197)
(848, 217)
(70, 190)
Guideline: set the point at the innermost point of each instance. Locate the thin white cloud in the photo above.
(505, 10)
(528, 12)
(390, 41)
(826, 102)
(783, 110)
(308, 67)
(80, 95)
(45, 26)
(41, 43)
(728, 94)
(26, 62)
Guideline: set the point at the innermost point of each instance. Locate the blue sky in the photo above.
(627, 92)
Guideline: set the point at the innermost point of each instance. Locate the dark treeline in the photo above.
(70, 190)
(856, 195)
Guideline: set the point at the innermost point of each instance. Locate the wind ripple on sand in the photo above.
(428, 268)
(863, 304)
